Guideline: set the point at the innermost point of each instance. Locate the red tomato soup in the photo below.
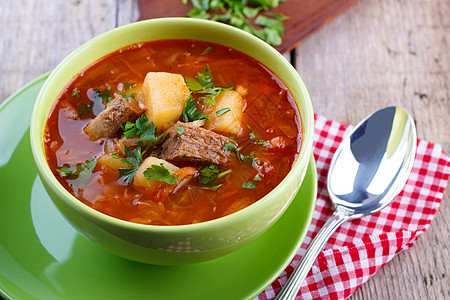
(172, 132)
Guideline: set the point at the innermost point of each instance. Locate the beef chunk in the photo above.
(195, 144)
(108, 122)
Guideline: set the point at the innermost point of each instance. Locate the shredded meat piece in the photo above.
(195, 144)
(117, 113)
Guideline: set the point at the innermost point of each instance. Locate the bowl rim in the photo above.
(303, 157)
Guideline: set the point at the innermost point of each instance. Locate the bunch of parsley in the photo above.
(237, 13)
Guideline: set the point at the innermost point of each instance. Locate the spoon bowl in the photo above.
(371, 166)
(367, 171)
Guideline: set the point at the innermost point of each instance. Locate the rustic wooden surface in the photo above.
(304, 19)
(377, 53)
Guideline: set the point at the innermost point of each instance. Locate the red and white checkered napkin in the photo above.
(359, 248)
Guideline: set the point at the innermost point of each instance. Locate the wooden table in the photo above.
(376, 54)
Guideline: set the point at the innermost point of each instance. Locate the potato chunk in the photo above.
(139, 179)
(231, 121)
(164, 97)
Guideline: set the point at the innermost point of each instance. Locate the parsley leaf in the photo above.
(253, 138)
(99, 99)
(251, 184)
(140, 128)
(242, 157)
(127, 96)
(211, 188)
(80, 173)
(133, 159)
(128, 86)
(180, 130)
(229, 147)
(105, 95)
(207, 50)
(222, 111)
(205, 84)
(76, 93)
(208, 175)
(160, 173)
(193, 84)
(235, 12)
(205, 77)
(190, 111)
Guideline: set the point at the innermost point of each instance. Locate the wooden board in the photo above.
(306, 16)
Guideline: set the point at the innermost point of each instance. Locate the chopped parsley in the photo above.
(104, 95)
(204, 84)
(190, 111)
(140, 128)
(160, 173)
(211, 188)
(242, 157)
(128, 86)
(208, 175)
(253, 138)
(222, 111)
(180, 130)
(127, 96)
(229, 147)
(80, 173)
(133, 159)
(207, 50)
(237, 13)
(251, 184)
(76, 93)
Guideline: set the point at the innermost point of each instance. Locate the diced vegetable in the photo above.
(139, 178)
(112, 162)
(164, 97)
(230, 122)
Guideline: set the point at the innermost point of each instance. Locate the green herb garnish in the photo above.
(133, 159)
(80, 173)
(207, 50)
(128, 86)
(190, 111)
(253, 138)
(208, 175)
(211, 188)
(144, 129)
(242, 157)
(180, 130)
(160, 173)
(251, 184)
(127, 96)
(76, 93)
(222, 111)
(235, 12)
(204, 84)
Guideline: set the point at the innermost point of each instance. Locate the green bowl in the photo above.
(182, 244)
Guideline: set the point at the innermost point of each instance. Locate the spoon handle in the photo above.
(293, 284)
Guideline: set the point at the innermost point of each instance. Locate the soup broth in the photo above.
(252, 156)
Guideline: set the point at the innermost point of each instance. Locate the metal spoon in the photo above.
(367, 172)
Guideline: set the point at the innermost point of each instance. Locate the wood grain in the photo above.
(381, 53)
(377, 53)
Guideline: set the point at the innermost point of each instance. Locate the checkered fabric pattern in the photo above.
(359, 248)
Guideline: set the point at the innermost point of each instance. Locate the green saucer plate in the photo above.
(43, 257)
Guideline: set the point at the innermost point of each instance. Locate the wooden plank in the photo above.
(382, 53)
